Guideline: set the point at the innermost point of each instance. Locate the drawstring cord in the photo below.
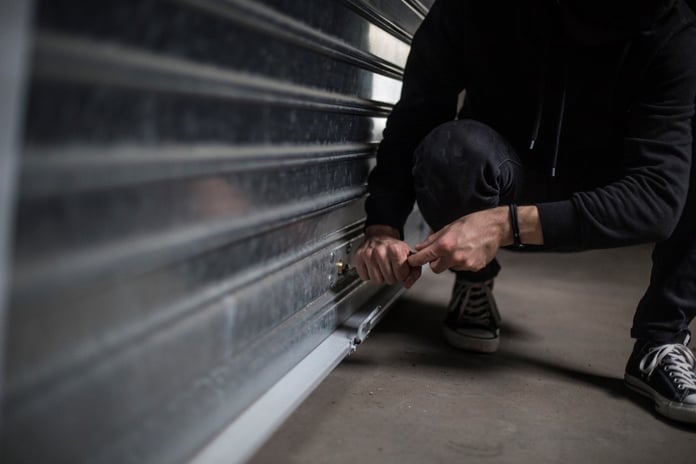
(541, 97)
(537, 122)
(539, 111)
(561, 115)
(622, 58)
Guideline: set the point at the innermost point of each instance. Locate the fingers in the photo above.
(383, 260)
(424, 256)
(384, 264)
(360, 265)
(399, 265)
(461, 245)
(373, 270)
(439, 254)
(440, 265)
(413, 275)
(365, 265)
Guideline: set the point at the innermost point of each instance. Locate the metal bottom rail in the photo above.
(238, 442)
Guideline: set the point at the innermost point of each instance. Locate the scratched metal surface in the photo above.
(15, 26)
(191, 172)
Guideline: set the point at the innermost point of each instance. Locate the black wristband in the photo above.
(515, 225)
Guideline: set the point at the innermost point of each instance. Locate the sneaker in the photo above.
(472, 317)
(665, 373)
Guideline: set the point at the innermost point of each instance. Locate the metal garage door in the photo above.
(192, 174)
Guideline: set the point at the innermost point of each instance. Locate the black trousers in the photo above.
(465, 166)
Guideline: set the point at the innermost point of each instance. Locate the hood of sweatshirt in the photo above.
(592, 23)
(596, 22)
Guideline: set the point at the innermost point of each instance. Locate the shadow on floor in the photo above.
(417, 324)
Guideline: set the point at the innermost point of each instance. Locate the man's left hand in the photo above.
(467, 244)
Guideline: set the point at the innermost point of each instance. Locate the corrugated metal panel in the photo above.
(192, 172)
(14, 35)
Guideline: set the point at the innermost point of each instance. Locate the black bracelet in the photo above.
(515, 225)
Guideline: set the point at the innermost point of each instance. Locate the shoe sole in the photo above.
(477, 345)
(673, 410)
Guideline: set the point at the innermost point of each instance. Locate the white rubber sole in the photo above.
(673, 410)
(470, 343)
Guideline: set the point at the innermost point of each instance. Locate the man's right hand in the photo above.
(383, 257)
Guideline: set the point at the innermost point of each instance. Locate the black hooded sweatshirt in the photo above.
(596, 95)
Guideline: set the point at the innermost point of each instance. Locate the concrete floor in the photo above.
(552, 394)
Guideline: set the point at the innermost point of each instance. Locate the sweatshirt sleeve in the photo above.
(433, 79)
(645, 204)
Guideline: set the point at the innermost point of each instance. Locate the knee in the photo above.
(464, 146)
(455, 171)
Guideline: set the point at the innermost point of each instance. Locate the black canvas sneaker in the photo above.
(665, 373)
(472, 317)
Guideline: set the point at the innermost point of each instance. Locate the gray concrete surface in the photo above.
(552, 394)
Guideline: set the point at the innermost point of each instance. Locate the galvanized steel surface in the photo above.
(14, 36)
(192, 172)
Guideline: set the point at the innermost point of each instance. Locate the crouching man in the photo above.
(575, 133)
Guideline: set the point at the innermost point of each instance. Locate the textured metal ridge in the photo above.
(58, 359)
(203, 339)
(48, 171)
(277, 24)
(69, 58)
(378, 17)
(15, 19)
(240, 439)
(417, 6)
(153, 250)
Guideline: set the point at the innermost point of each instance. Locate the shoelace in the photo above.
(678, 361)
(474, 303)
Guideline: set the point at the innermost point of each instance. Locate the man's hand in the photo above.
(472, 241)
(383, 257)
(467, 244)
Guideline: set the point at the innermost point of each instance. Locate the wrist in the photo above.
(380, 230)
(528, 222)
(504, 226)
(530, 225)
